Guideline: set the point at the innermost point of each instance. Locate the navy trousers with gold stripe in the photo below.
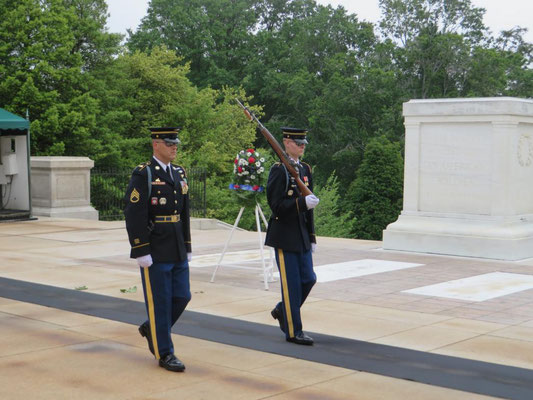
(166, 294)
(297, 278)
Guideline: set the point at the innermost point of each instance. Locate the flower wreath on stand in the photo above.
(248, 176)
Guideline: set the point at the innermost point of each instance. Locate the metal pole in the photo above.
(271, 252)
(227, 243)
(265, 277)
(205, 191)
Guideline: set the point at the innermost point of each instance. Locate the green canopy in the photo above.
(12, 121)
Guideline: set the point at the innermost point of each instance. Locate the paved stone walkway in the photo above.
(50, 353)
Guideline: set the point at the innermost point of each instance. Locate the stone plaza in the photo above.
(440, 309)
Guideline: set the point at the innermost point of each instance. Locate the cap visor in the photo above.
(301, 141)
(173, 141)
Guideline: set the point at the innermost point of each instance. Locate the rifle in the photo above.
(289, 164)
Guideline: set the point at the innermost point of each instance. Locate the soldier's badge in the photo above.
(136, 241)
(306, 181)
(184, 187)
(135, 196)
(154, 201)
(162, 201)
(157, 168)
(290, 192)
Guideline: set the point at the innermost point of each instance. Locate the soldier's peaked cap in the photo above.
(168, 134)
(299, 135)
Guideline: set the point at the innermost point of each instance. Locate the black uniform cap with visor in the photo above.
(167, 134)
(299, 135)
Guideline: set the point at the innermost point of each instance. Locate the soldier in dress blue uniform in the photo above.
(158, 225)
(291, 232)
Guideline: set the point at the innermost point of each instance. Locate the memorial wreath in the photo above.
(248, 175)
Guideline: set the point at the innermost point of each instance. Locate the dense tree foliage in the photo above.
(141, 90)
(299, 63)
(375, 196)
(47, 50)
(330, 218)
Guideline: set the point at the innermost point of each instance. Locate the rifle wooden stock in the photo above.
(284, 158)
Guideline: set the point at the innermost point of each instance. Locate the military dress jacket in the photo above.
(158, 223)
(291, 226)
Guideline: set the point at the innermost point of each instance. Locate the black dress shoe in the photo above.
(276, 314)
(171, 363)
(144, 330)
(301, 338)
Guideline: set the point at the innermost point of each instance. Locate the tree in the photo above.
(46, 49)
(213, 35)
(435, 40)
(405, 20)
(141, 90)
(376, 194)
(330, 219)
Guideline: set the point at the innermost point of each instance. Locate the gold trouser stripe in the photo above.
(151, 313)
(285, 291)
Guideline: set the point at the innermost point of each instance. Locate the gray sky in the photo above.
(499, 14)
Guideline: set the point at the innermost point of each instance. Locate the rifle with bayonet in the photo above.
(284, 158)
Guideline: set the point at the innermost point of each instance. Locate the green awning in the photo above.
(12, 121)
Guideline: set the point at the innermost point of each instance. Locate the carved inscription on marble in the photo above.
(525, 150)
(455, 168)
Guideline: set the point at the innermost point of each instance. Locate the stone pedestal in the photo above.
(60, 187)
(468, 179)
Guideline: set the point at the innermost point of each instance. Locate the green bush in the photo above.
(330, 219)
(375, 196)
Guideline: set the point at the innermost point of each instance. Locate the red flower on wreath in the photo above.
(239, 169)
(250, 151)
(236, 186)
(236, 160)
(255, 187)
(251, 160)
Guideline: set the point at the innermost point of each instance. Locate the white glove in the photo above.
(311, 201)
(313, 247)
(145, 261)
(189, 257)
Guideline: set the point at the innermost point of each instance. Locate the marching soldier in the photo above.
(158, 225)
(291, 232)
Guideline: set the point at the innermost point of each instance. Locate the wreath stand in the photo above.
(267, 271)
